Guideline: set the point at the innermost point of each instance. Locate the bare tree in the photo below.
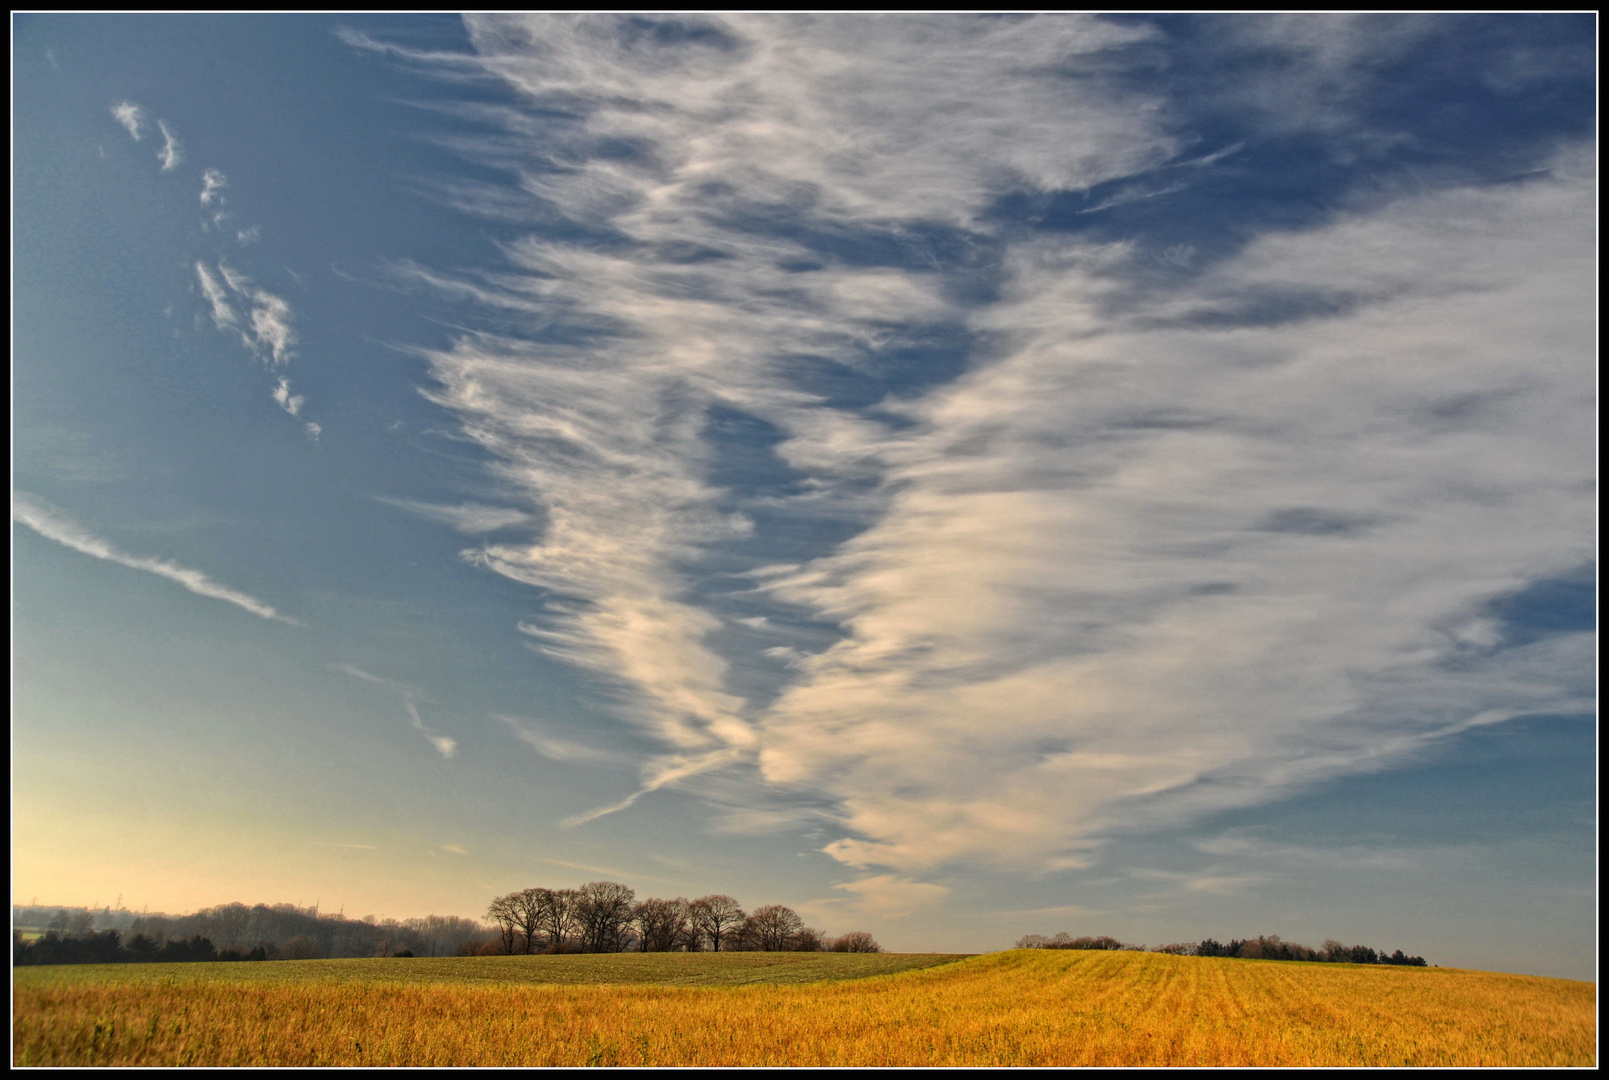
(560, 914)
(714, 917)
(663, 924)
(809, 939)
(528, 909)
(504, 911)
(604, 908)
(744, 937)
(442, 935)
(776, 926)
(228, 924)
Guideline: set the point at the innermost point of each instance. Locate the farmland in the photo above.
(1014, 1008)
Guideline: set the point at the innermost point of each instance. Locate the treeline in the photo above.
(606, 916)
(73, 921)
(1268, 947)
(108, 947)
(238, 932)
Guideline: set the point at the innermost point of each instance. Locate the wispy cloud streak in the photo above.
(1089, 623)
(267, 327)
(52, 524)
(264, 321)
(446, 746)
(1148, 555)
(465, 517)
(372, 679)
(172, 152)
(556, 749)
(212, 182)
(271, 326)
(609, 435)
(223, 313)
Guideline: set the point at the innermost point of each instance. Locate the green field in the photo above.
(604, 969)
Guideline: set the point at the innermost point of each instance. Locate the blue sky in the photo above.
(958, 476)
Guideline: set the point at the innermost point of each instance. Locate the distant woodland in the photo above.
(600, 916)
(1257, 948)
(232, 932)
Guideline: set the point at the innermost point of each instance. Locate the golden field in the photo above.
(1013, 1008)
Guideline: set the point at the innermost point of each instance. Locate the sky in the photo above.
(958, 476)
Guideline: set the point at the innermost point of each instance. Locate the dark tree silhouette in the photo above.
(529, 906)
(604, 910)
(560, 917)
(505, 912)
(714, 917)
(663, 925)
(774, 927)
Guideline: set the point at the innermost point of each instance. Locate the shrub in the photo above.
(855, 941)
(808, 940)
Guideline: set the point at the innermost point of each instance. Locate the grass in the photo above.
(1015, 1008)
(609, 969)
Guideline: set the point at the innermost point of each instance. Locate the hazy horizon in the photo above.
(956, 476)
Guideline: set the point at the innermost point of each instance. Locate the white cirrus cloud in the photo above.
(465, 517)
(132, 117)
(445, 746)
(285, 399)
(1087, 609)
(556, 749)
(53, 524)
(608, 436)
(213, 181)
(1148, 557)
(268, 326)
(224, 316)
(373, 679)
(172, 152)
(265, 323)
(271, 326)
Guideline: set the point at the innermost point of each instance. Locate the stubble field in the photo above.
(1013, 1008)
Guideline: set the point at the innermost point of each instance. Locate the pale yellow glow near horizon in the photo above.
(78, 856)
